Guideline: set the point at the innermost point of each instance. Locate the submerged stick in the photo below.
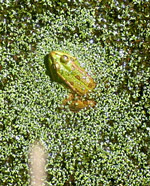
(37, 158)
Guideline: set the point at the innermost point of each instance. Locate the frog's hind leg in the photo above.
(76, 103)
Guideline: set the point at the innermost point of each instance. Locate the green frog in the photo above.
(65, 69)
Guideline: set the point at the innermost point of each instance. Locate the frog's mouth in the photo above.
(56, 54)
(52, 54)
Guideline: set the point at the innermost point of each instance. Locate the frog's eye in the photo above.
(64, 59)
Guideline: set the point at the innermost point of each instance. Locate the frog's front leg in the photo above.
(76, 103)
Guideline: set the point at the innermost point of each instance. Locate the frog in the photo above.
(65, 69)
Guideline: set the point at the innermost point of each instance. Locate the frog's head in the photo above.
(60, 57)
(66, 69)
(59, 65)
